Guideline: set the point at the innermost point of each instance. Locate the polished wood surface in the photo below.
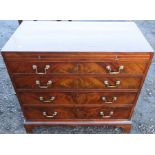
(85, 83)
(59, 98)
(22, 56)
(63, 98)
(75, 82)
(98, 83)
(36, 112)
(76, 67)
(105, 98)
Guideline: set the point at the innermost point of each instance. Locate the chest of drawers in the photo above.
(77, 73)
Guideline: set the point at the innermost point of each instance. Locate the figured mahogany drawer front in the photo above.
(75, 82)
(92, 82)
(60, 98)
(105, 98)
(112, 68)
(42, 67)
(44, 83)
(45, 98)
(115, 68)
(52, 113)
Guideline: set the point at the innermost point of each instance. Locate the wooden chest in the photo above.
(77, 73)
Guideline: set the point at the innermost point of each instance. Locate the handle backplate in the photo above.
(112, 72)
(105, 99)
(102, 114)
(49, 83)
(50, 116)
(52, 98)
(117, 83)
(36, 69)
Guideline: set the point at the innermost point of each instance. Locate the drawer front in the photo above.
(75, 82)
(61, 98)
(106, 98)
(115, 68)
(45, 83)
(45, 98)
(76, 56)
(112, 68)
(52, 113)
(42, 67)
(108, 83)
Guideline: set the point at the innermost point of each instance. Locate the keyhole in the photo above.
(77, 67)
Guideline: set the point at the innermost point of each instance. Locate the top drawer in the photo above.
(79, 56)
(109, 68)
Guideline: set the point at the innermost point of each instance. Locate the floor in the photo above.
(11, 118)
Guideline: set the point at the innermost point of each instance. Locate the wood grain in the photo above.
(75, 112)
(60, 97)
(76, 67)
(75, 82)
(32, 98)
(98, 82)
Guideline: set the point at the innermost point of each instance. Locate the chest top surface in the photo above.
(48, 36)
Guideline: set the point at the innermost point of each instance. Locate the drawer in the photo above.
(52, 113)
(92, 82)
(106, 98)
(75, 82)
(76, 56)
(112, 68)
(45, 82)
(45, 98)
(60, 98)
(42, 67)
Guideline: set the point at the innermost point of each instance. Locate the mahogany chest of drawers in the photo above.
(77, 73)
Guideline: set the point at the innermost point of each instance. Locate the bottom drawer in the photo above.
(98, 112)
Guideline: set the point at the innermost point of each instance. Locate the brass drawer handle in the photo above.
(105, 99)
(106, 116)
(49, 83)
(47, 101)
(117, 83)
(111, 72)
(50, 116)
(36, 69)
